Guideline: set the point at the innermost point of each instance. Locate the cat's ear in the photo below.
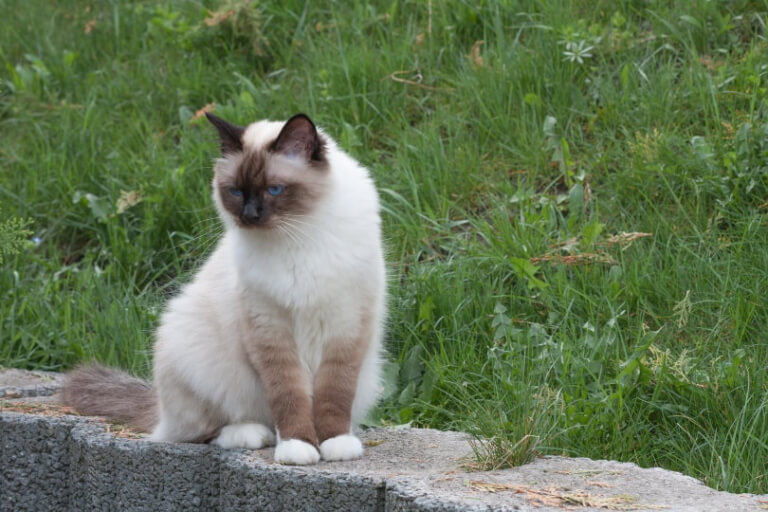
(299, 138)
(231, 135)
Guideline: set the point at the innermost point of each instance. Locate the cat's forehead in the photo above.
(260, 134)
(245, 169)
(248, 164)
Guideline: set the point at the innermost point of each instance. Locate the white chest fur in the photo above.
(320, 287)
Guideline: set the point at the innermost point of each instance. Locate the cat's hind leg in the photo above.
(245, 435)
(191, 425)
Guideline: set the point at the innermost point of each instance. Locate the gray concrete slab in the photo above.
(52, 460)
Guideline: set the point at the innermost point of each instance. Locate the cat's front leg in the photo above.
(335, 386)
(288, 393)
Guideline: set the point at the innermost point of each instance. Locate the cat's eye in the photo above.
(275, 190)
(236, 192)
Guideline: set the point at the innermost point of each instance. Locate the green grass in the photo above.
(514, 314)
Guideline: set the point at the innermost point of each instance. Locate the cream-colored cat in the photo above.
(281, 329)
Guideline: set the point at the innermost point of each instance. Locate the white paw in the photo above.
(343, 447)
(245, 435)
(296, 451)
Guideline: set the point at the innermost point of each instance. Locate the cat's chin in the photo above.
(266, 226)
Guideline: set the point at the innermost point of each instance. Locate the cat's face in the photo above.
(265, 178)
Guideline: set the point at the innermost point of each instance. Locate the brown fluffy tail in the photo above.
(95, 390)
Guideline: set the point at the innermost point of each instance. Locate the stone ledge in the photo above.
(53, 461)
(21, 383)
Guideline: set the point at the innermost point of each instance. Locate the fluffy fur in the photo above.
(282, 326)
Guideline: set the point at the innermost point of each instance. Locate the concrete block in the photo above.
(34, 463)
(125, 474)
(254, 483)
(52, 460)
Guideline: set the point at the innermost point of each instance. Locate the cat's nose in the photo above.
(252, 212)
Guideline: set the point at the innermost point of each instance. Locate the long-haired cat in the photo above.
(280, 331)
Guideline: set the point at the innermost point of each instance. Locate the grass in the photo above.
(509, 170)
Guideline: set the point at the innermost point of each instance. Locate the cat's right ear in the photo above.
(230, 134)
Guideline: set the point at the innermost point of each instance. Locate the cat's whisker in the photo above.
(283, 229)
(296, 224)
(311, 227)
(209, 235)
(208, 222)
(204, 241)
(299, 230)
(292, 219)
(286, 232)
(297, 236)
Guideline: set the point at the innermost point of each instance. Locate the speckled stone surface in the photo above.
(34, 463)
(21, 383)
(50, 460)
(123, 474)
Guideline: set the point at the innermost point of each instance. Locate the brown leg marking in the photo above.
(336, 384)
(287, 387)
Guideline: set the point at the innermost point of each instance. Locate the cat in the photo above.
(280, 331)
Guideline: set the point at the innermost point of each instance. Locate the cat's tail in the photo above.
(94, 390)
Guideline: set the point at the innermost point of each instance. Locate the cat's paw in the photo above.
(245, 435)
(297, 452)
(343, 447)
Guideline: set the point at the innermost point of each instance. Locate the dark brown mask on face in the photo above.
(277, 182)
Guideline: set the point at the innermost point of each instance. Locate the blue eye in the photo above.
(236, 192)
(275, 190)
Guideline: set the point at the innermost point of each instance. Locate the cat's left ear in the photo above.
(299, 138)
